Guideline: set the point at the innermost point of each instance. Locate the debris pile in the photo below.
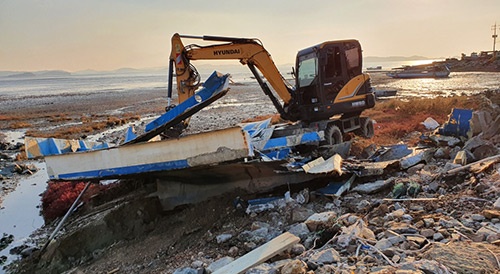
(430, 209)
(10, 167)
(433, 208)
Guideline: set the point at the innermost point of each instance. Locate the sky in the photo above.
(76, 35)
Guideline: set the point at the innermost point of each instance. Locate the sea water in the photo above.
(457, 83)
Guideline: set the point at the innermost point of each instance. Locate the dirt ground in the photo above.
(173, 239)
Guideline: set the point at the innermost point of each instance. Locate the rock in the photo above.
(396, 258)
(454, 151)
(294, 267)
(493, 238)
(463, 158)
(451, 223)
(479, 122)
(449, 166)
(398, 214)
(396, 239)
(414, 169)
(300, 214)
(186, 270)
(233, 251)
(428, 222)
(356, 230)
(428, 266)
(445, 140)
(484, 151)
(297, 249)
(496, 205)
(403, 228)
(363, 205)
(383, 244)
(442, 153)
(369, 188)
(437, 236)
(259, 225)
(473, 143)
(249, 246)
(487, 231)
(326, 256)
(430, 123)
(427, 233)
(407, 217)
(197, 264)
(28, 251)
(477, 217)
(493, 129)
(300, 230)
(223, 238)
(419, 240)
(258, 236)
(491, 214)
(261, 269)
(351, 219)
(219, 263)
(321, 220)
(464, 257)
(433, 187)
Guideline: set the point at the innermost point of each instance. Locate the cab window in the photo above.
(307, 69)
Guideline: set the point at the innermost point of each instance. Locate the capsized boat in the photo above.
(420, 71)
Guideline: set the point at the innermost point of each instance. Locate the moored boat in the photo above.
(421, 71)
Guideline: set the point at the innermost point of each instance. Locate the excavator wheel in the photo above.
(366, 129)
(333, 135)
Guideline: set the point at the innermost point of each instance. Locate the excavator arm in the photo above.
(249, 52)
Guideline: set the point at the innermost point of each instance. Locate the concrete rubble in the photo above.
(412, 218)
(434, 208)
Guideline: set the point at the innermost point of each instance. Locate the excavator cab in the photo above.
(329, 81)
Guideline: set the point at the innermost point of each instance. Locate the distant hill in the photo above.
(35, 74)
(52, 73)
(21, 75)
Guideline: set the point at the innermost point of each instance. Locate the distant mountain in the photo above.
(396, 58)
(35, 74)
(87, 72)
(52, 73)
(22, 75)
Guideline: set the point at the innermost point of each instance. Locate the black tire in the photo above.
(366, 129)
(333, 135)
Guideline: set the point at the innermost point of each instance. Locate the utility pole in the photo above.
(494, 36)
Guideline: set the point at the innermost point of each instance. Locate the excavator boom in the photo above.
(248, 51)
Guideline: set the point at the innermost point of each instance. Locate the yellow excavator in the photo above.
(330, 92)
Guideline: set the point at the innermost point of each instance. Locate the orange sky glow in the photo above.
(104, 35)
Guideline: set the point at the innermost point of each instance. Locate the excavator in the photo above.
(329, 95)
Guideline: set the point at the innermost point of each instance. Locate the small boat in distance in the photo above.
(374, 68)
(420, 71)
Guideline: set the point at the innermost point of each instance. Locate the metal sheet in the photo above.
(194, 150)
(458, 123)
(39, 147)
(214, 88)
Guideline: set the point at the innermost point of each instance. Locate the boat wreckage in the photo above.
(255, 157)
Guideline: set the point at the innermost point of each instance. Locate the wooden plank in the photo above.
(260, 255)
